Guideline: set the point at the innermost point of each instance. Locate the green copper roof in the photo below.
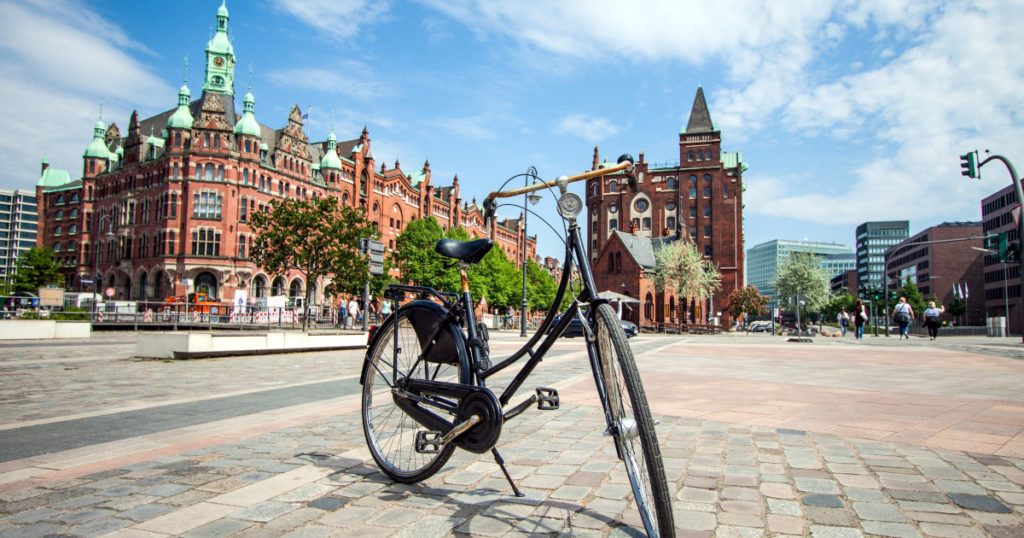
(732, 160)
(53, 177)
(247, 125)
(182, 117)
(417, 177)
(330, 158)
(222, 11)
(98, 148)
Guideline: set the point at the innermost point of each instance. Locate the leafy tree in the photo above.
(37, 268)
(747, 301)
(497, 278)
(803, 275)
(416, 260)
(540, 287)
(837, 303)
(913, 295)
(317, 237)
(957, 307)
(681, 267)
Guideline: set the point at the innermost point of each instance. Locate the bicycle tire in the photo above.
(390, 432)
(626, 404)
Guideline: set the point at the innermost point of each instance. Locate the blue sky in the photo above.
(845, 110)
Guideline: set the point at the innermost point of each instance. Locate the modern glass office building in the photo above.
(765, 260)
(18, 224)
(873, 239)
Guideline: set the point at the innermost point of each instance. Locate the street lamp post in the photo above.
(96, 261)
(1006, 296)
(533, 199)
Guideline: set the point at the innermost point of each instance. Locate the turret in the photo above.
(97, 154)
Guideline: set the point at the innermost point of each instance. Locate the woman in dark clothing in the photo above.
(860, 317)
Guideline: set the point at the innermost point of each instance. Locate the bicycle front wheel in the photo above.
(632, 425)
(390, 432)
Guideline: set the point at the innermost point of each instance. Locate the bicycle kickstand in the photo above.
(501, 463)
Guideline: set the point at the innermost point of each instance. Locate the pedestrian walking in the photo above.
(385, 308)
(353, 308)
(903, 315)
(931, 319)
(844, 321)
(860, 317)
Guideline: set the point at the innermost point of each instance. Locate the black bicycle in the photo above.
(424, 377)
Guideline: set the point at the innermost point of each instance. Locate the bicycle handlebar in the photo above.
(625, 163)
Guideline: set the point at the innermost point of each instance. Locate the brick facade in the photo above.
(698, 198)
(175, 199)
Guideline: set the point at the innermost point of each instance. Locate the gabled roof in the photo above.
(642, 248)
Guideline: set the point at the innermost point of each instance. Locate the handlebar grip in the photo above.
(631, 180)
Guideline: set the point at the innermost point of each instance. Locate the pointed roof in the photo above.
(700, 117)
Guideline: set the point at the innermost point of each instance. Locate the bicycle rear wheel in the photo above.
(390, 432)
(632, 425)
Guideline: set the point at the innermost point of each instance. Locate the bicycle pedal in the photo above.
(428, 442)
(547, 399)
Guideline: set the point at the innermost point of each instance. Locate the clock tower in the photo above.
(220, 58)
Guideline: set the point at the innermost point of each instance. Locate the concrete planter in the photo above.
(181, 345)
(43, 329)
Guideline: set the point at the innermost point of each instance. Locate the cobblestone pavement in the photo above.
(759, 438)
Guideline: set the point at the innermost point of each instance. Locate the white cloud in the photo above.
(58, 60)
(339, 19)
(348, 78)
(588, 128)
(478, 127)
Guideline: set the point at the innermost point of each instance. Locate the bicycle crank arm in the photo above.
(460, 429)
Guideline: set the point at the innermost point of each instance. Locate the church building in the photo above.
(698, 199)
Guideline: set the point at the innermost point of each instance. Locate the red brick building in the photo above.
(170, 199)
(699, 198)
(936, 268)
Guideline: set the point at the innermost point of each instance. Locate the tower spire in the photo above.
(700, 117)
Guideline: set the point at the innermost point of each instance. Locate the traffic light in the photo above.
(991, 242)
(998, 244)
(1013, 252)
(1003, 247)
(969, 164)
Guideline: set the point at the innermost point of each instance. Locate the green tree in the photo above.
(681, 267)
(838, 302)
(957, 307)
(913, 295)
(416, 260)
(497, 278)
(803, 275)
(37, 268)
(540, 287)
(317, 237)
(747, 301)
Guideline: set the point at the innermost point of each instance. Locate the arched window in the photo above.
(670, 223)
(707, 177)
(693, 179)
(295, 289)
(613, 224)
(671, 184)
(277, 288)
(210, 172)
(613, 186)
(689, 156)
(618, 261)
(649, 307)
(611, 262)
(206, 283)
(248, 146)
(707, 155)
(245, 176)
(259, 286)
(220, 173)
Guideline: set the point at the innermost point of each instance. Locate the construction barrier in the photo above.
(148, 316)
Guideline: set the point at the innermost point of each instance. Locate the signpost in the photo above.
(375, 250)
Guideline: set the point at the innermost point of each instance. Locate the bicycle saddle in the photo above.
(466, 251)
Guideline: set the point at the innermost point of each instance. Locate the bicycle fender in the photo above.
(425, 317)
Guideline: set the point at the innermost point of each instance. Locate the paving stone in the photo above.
(32, 531)
(397, 517)
(83, 515)
(691, 520)
(878, 512)
(100, 527)
(959, 486)
(328, 503)
(33, 516)
(166, 490)
(742, 507)
(979, 502)
(783, 507)
(780, 524)
(486, 526)
(779, 491)
(829, 516)
(741, 494)
(950, 531)
(923, 496)
(881, 528)
(825, 531)
(865, 495)
(998, 531)
(264, 511)
(146, 511)
(697, 495)
(816, 485)
(220, 527)
(822, 500)
(916, 506)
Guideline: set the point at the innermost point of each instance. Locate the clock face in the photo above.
(218, 61)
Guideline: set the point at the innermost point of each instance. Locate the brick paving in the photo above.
(746, 461)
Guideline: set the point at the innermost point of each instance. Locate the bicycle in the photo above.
(425, 371)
